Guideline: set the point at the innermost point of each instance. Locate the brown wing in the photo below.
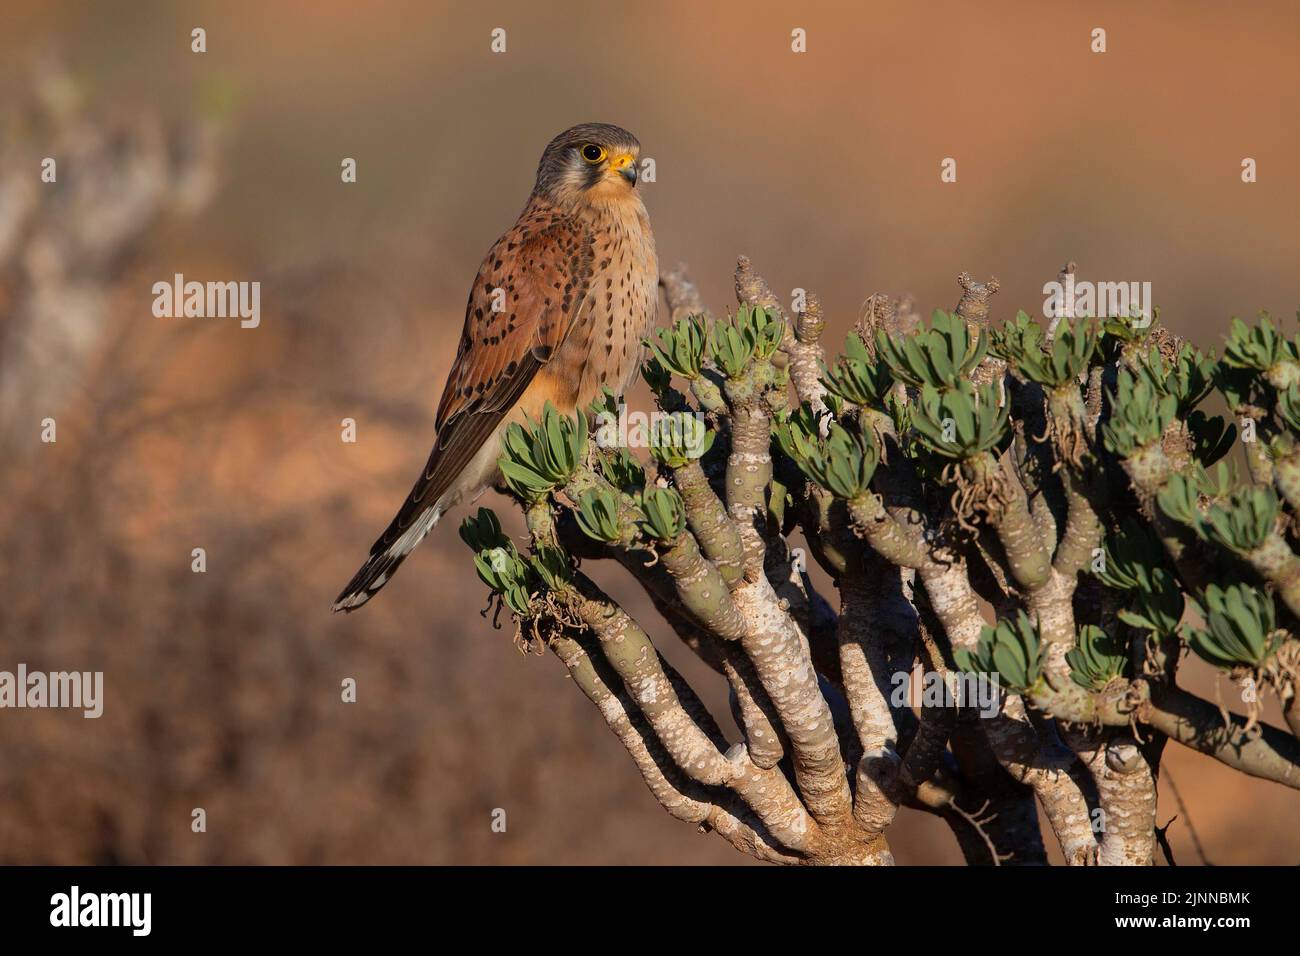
(529, 292)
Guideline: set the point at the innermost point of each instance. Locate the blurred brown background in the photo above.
(223, 688)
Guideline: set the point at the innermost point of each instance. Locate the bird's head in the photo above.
(592, 162)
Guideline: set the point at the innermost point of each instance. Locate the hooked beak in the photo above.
(625, 166)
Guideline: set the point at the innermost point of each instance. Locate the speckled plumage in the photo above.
(574, 283)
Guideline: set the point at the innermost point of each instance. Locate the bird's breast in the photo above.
(605, 347)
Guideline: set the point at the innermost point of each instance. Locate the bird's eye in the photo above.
(593, 153)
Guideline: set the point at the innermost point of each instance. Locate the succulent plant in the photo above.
(965, 531)
(753, 332)
(597, 514)
(763, 326)
(683, 438)
(1135, 562)
(604, 404)
(1123, 332)
(1240, 622)
(1097, 658)
(1188, 493)
(553, 567)
(1288, 407)
(1188, 378)
(1157, 602)
(961, 422)
(1139, 415)
(843, 463)
(545, 454)
(497, 561)
(1012, 650)
(857, 377)
(665, 514)
(1022, 344)
(1127, 551)
(939, 356)
(1021, 336)
(679, 349)
(620, 469)
(1244, 521)
(1263, 349)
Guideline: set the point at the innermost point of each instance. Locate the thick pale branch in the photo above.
(683, 725)
(749, 472)
(1050, 770)
(632, 655)
(867, 683)
(785, 668)
(681, 797)
(708, 520)
(1126, 793)
(1261, 751)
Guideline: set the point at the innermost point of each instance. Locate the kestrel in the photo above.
(559, 310)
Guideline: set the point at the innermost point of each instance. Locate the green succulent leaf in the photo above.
(543, 455)
(1240, 628)
(1097, 658)
(763, 326)
(961, 422)
(1139, 415)
(939, 356)
(621, 469)
(1127, 553)
(752, 333)
(1012, 650)
(843, 462)
(1188, 493)
(1022, 343)
(1018, 337)
(1188, 378)
(1157, 602)
(1128, 330)
(497, 561)
(553, 566)
(1180, 499)
(1244, 521)
(729, 349)
(1288, 407)
(665, 514)
(483, 530)
(604, 405)
(680, 438)
(679, 349)
(1262, 348)
(597, 514)
(857, 377)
